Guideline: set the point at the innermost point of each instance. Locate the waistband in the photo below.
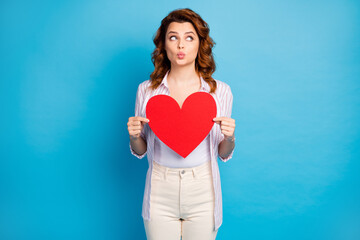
(182, 172)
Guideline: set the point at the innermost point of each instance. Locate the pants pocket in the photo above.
(157, 175)
(205, 178)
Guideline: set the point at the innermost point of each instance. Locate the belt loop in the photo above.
(165, 174)
(194, 173)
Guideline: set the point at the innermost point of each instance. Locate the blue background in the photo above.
(69, 73)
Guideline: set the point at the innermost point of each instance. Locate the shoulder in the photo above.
(143, 85)
(222, 88)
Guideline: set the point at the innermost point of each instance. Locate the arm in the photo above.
(227, 144)
(137, 143)
(227, 125)
(135, 126)
(226, 147)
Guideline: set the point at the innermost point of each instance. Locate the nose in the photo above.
(180, 45)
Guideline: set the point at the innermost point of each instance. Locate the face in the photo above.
(181, 43)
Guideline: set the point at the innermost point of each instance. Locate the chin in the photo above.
(184, 62)
(180, 62)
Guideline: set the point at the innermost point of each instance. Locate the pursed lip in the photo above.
(181, 54)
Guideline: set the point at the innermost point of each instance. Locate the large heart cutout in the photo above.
(181, 129)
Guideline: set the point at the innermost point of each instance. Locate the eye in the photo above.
(191, 38)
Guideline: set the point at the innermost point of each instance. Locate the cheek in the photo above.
(195, 50)
(169, 50)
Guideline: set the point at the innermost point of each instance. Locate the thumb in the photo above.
(216, 120)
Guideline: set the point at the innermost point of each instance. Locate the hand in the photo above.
(227, 126)
(136, 125)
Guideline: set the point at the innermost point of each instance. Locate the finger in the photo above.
(142, 119)
(226, 128)
(227, 123)
(132, 121)
(228, 133)
(136, 128)
(135, 123)
(216, 120)
(224, 119)
(133, 133)
(219, 118)
(132, 130)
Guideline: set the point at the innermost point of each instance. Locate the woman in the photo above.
(183, 195)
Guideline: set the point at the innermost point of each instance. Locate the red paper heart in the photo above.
(183, 129)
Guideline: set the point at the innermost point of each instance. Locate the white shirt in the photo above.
(224, 99)
(167, 157)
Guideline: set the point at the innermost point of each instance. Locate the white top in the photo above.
(167, 157)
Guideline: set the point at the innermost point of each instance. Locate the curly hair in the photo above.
(204, 62)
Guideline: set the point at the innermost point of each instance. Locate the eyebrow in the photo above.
(177, 32)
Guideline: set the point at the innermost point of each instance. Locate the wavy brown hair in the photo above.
(204, 62)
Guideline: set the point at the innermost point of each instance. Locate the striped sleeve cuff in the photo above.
(135, 154)
(230, 155)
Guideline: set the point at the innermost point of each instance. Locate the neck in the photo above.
(183, 75)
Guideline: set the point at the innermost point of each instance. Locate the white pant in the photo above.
(181, 204)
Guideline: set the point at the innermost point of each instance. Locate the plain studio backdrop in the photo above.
(69, 72)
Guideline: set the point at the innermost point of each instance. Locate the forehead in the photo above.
(181, 27)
